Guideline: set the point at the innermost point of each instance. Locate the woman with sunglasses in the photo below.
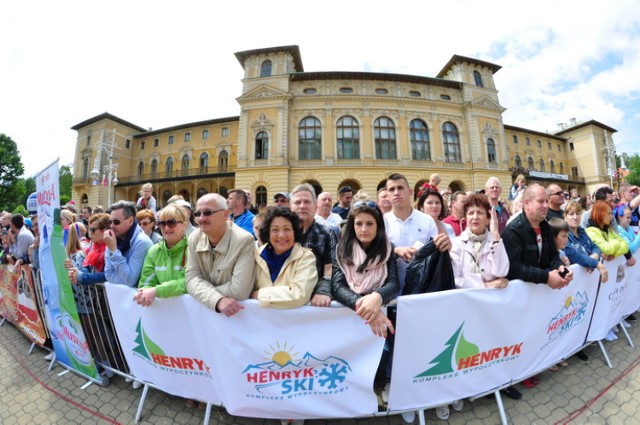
(163, 270)
(92, 270)
(147, 220)
(286, 273)
(365, 275)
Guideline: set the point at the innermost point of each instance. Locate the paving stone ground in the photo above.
(583, 393)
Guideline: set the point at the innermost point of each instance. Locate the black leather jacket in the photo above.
(347, 297)
(429, 271)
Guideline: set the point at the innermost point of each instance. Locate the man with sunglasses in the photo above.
(127, 245)
(220, 265)
(555, 202)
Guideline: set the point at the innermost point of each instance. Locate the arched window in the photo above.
(552, 167)
(168, 166)
(200, 192)
(265, 69)
(518, 161)
(451, 143)
(384, 133)
(140, 168)
(419, 133)
(154, 167)
(530, 163)
(204, 163)
(478, 78)
(348, 138)
(223, 162)
(491, 151)
(85, 168)
(561, 168)
(186, 163)
(542, 165)
(310, 138)
(261, 196)
(166, 195)
(224, 191)
(262, 145)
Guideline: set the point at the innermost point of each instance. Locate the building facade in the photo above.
(335, 128)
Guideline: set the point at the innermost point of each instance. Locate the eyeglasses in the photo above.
(561, 193)
(94, 229)
(171, 223)
(369, 204)
(205, 213)
(146, 222)
(116, 222)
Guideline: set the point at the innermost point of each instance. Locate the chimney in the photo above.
(573, 122)
(561, 126)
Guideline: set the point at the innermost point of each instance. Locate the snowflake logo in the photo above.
(333, 375)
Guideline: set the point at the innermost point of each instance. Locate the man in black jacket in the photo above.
(533, 256)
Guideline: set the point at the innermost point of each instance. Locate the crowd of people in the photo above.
(362, 251)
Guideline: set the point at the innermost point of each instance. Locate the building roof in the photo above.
(587, 123)
(293, 50)
(106, 116)
(187, 125)
(538, 133)
(455, 59)
(376, 76)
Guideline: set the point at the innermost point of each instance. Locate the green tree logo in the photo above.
(457, 347)
(145, 344)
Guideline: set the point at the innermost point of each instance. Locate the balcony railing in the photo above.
(174, 174)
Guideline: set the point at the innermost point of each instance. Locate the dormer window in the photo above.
(346, 90)
(414, 93)
(309, 91)
(265, 69)
(478, 78)
(382, 91)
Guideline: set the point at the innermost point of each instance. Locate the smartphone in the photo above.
(563, 272)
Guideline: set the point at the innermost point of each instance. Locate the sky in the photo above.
(163, 63)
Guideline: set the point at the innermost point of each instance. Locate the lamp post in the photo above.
(109, 171)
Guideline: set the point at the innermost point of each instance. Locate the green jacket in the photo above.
(164, 269)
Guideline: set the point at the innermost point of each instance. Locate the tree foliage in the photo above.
(11, 170)
(633, 164)
(66, 183)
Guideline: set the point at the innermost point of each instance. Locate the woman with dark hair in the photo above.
(286, 272)
(365, 275)
(478, 255)
(432, 204)
(603, 235)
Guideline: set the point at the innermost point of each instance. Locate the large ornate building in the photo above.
(336, 128)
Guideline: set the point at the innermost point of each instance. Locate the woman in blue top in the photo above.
(625, 230)
(580, 248)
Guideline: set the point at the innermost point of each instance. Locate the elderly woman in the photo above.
(365, 275)
(286, 272)
(604, 236)
(163, 270)
(147, 221)
(432, 204)
(478, 255)
(146, 199)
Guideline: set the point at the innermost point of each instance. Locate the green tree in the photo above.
(633, 164)
(11, 170)
(29, 188)
(66, 182)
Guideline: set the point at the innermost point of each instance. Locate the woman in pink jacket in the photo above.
(478, 255)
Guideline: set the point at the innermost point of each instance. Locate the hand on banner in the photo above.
(501, 282)
(68, 264)
(73, 276)
(145, 296)
(228, 306)
(558, 279)
(604, 273)
(368, 306)
(319, 300)
(380, 324)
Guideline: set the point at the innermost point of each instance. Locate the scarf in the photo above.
(125, 243)
(274, 261)
(95, 256)
(373, 277)
(476, 243)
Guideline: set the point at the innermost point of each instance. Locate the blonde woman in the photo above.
(146, 199)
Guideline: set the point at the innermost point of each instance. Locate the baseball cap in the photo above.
(285, 194)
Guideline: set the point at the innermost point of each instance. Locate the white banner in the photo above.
(300, 363)
(616, 298)
(455, 344)
(632, 298)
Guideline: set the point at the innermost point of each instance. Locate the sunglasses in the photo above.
(557, 193)
(95, 229)
(144, 223)
(370, 204)
(116, 222)
(171, 223)
(206, 213)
